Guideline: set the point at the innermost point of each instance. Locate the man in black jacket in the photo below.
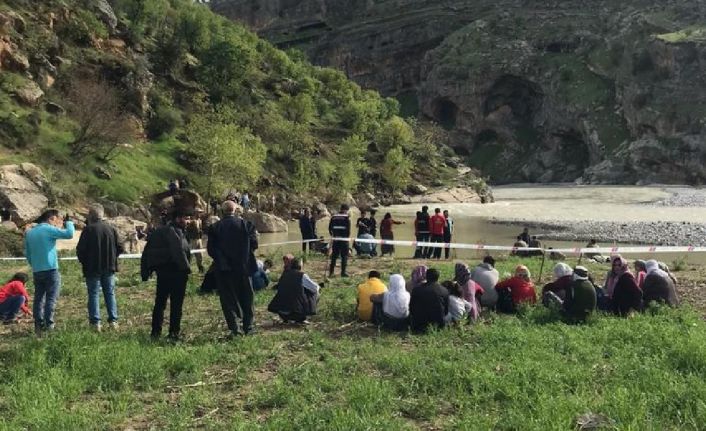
(340, 227)
(167, 252)
(231, 243)
(307, 227)
(98, 250)
(429, 303)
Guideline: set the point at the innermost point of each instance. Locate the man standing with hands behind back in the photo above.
(231, 243)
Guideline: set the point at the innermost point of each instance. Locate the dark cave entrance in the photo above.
(523, 97)
(445, 113)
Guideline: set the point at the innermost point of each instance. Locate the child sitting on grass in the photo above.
(13, 298)
(458, 307)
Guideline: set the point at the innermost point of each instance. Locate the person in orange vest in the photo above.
(438, 226)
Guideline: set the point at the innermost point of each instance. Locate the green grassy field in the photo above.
(529, 372)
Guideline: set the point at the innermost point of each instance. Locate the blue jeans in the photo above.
(10, 307)
(106, 283)
(47, 285)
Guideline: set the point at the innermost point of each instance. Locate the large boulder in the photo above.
(29, 94)
(125, 227)
(184, 200)
(21, 194)
(106, 14)
(266, 223)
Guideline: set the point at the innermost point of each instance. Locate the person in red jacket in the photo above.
(520, 288)
(14, 298)
(438, 226)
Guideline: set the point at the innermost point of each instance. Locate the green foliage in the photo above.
(11, 244)
(348, 165)
(396, 169)
(299, 108)
(164, 121)
(223, 70)
(640, 373)
(144, 19)
(81, 26)
(225, 154)
(395, 133)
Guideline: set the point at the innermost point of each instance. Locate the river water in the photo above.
(474, 222)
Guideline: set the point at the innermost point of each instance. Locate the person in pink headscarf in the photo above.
(419, 277)
(621, 287)
(470, 289)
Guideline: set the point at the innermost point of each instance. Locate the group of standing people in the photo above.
(436, 228)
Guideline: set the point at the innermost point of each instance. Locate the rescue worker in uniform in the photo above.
(340, 227)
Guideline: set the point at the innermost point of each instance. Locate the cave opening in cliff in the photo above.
(445, 112)
(523, 98)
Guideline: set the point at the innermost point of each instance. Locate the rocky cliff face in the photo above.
(603, 92)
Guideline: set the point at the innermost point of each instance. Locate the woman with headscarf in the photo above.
(391, 308)
(386, 233)
(470, 289)
(297, 294)
(621, 288)
(641, 272)
(659, 286)
(563, 277)
(520, 289)
(419, 277)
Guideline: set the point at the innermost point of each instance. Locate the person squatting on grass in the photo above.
(459, 308)
(14, 298)
(168, 254)
(658, 286)
(98, 250)
(487, 277)
(429, 303)
(297, 295)
(40, 250)
(391, 308)
(470, 290)
(231, 243)
(623, 295)
(516, 290)
(372, 286)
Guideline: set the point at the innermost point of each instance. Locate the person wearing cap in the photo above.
(520, 288)
(231, 244)
(340, 227)
(168, 254)
(581, 297)
(562, 280)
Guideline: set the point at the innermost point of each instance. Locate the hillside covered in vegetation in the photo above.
(114, 99)
(596, 91)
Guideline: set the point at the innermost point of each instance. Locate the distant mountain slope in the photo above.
(599, 91)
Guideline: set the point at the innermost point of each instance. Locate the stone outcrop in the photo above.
(266, 223)
(531, 92)
(184, 200)
(21, 191)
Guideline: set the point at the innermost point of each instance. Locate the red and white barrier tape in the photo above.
(460, 246)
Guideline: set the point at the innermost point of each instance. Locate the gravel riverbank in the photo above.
(628, 232)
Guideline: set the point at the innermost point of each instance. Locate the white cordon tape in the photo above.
(461, 246)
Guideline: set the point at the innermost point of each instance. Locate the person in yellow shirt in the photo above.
(372, 286)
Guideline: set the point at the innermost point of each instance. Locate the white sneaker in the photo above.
(96, 327)
(113, 325)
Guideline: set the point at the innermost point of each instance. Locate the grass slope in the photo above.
(529, 372)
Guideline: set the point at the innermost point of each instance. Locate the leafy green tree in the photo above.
(225, 154)
(395, 133)
(224, 68)
(396, 169)
(299, 108)
(349, 163)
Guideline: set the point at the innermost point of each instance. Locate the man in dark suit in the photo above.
(231, 243)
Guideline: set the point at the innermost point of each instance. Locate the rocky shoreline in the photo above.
(647, 233)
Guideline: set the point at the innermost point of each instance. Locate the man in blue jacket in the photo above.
(40, 250)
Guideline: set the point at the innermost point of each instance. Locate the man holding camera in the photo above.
(40, 250)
